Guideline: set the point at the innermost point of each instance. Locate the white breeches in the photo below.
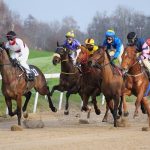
(22, 57)
(146, 63)
(74, 55)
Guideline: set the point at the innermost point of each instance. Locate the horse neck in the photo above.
(85, 68)
(107, 72)
(135, 69)
(67, 65)
(7, 70)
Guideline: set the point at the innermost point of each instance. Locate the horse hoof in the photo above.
(104, 120)
(126, 114)
(54, 109)
(118, 117)
(135, 115)
(120, 113)
(98, 112)
(66, 112)
(25, 115)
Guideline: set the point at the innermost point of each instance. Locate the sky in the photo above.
(81, 10)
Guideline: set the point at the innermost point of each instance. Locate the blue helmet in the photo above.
(110, 33)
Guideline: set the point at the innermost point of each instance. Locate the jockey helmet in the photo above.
(11, 35)
(132, 38)
(110, 33)
(89, 41)
(148, 42)
(70, 34)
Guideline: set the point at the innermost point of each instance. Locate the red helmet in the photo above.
(148, 41)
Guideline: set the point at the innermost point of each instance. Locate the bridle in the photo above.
(128, 74)
(100, 66)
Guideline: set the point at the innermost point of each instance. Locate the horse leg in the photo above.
(125, 109)
(137, 103)
(45, 91)
(116, 103)
(106, 114)
(9, 106)
(120, 105)
(28, 96)
(143, 108)
(147, 107)
(56, 87)
(19, 107)
(66, 112)
(97, 110)
(73, 90)
(85, 107)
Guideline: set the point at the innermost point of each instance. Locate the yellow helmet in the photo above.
(90, 41)
(70, 34)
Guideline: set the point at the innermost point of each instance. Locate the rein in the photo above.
(101, 66)
(71, 73)
(136, 75)
(5, 64)
(67, 73)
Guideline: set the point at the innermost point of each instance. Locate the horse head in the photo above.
(83, 56)
(128, 58)
(97, 57)
(60, 54)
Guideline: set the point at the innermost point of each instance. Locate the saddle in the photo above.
(29, 76)
(116, 69)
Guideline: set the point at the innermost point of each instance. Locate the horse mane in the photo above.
(84, 49)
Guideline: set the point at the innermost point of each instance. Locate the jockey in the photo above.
(145, 55)
(133, 40)
(90, 45)
(18, 50)
(73, 45)
(114, 45)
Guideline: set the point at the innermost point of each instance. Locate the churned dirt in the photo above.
(68, 133)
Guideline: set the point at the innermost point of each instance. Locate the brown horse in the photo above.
(136, 79)
(69, 77)
(91, 80)
(112, 82)
(14, 85)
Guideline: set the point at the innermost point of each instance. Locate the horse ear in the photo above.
(57, 44)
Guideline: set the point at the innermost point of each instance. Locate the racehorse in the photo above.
(69, 77)
(91, 80)
(136, 79)
(15, 85)
(112, 82)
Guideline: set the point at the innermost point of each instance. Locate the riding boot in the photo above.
(30, 76)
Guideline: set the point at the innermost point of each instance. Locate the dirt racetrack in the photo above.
(66, 133)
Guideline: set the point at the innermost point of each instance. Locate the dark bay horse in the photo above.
(136, 79)
(69, 77)
(112, 82)
(14, 85)
(91, 80)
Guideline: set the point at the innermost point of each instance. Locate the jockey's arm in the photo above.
(118, 48)
(22, 47)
